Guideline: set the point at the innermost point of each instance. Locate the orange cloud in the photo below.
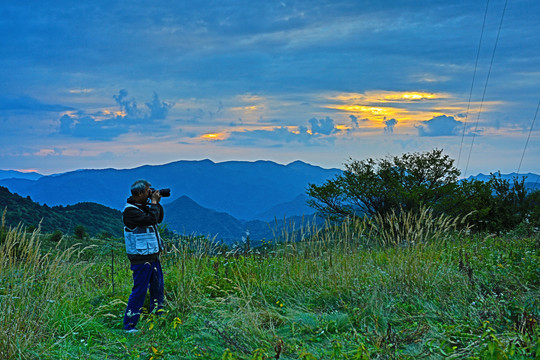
(246, 108)
(375, 97)
(408, 107)
(213, 136)
(26, 170)
(343, 127)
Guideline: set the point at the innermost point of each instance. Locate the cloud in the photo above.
(440, 126)
(158, 109)
(318, 133)
(389, 125)
(238, 122)
(354, 120)
(86, 126)
(80, 91)
(133, 113)
(27, 103)
(107, 125)
(277, 137)
(219, 112)
(322, 126)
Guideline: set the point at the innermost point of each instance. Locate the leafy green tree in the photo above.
(80, 232)
(533, 204)
(56, 236)
(396, 183)
(472, 198)
(94, 217)
(413, 180)
(495, 205)
(508, 205)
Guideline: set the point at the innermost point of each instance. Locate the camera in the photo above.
(163, 192)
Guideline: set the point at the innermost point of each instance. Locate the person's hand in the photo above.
(156, 197)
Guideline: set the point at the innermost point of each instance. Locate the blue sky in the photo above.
(124, 83)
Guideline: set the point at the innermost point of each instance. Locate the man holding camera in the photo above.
(141, 215)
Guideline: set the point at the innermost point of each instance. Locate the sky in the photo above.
(120, 84)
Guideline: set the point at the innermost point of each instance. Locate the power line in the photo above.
(528, 137)
(534, 186)
(485, 87)
(472, 83)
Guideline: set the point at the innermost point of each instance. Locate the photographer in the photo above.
(141, 215)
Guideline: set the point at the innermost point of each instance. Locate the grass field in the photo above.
(402, 287)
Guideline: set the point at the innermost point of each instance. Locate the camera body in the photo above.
(166, 192)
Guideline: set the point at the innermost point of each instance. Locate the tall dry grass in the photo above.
(33, 286)
(356, 263)
(407, 279)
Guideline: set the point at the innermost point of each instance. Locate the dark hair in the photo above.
(139, 186)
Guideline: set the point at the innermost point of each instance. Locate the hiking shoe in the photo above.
(132, 330)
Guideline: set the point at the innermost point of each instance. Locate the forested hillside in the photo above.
(96, 219)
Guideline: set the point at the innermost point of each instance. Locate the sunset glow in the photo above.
(27, 171)
(213, 136)
(375, 97)
(180, 79)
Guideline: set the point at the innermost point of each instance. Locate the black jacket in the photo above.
(151, 214)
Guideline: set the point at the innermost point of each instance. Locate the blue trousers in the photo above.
(147, 276)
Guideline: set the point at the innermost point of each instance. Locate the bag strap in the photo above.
(131, 205)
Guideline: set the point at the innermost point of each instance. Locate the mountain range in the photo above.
(187, 217)
(13, 174)
(245, 190)
(532, 181)
(222, 200)
(207, 198)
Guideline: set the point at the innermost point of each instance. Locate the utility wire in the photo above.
(528, 137)
(534, 187)
(472, 83)
(485, 87)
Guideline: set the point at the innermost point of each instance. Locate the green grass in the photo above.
(399, 288)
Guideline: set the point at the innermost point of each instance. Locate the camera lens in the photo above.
(165, 192)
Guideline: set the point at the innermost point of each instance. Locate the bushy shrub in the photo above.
(413, 181)
(383, 186)
(533, 202)
(80, 232)
(56, 236)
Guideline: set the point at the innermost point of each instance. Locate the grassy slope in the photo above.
(335, 296)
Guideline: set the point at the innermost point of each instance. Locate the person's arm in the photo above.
(134, 217)
(155, 199)
(161, 212)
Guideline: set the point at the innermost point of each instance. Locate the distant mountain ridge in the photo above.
(221, 200)
(532, 181)
(530, 177)
(13, 174)
(240, 188)
(189, 218)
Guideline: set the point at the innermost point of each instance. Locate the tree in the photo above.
(508, 205)
(396, 183)
(56, 236)
(495, 205)
(80, 232)
(533, 204)
(413, 180)
(473, 198)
